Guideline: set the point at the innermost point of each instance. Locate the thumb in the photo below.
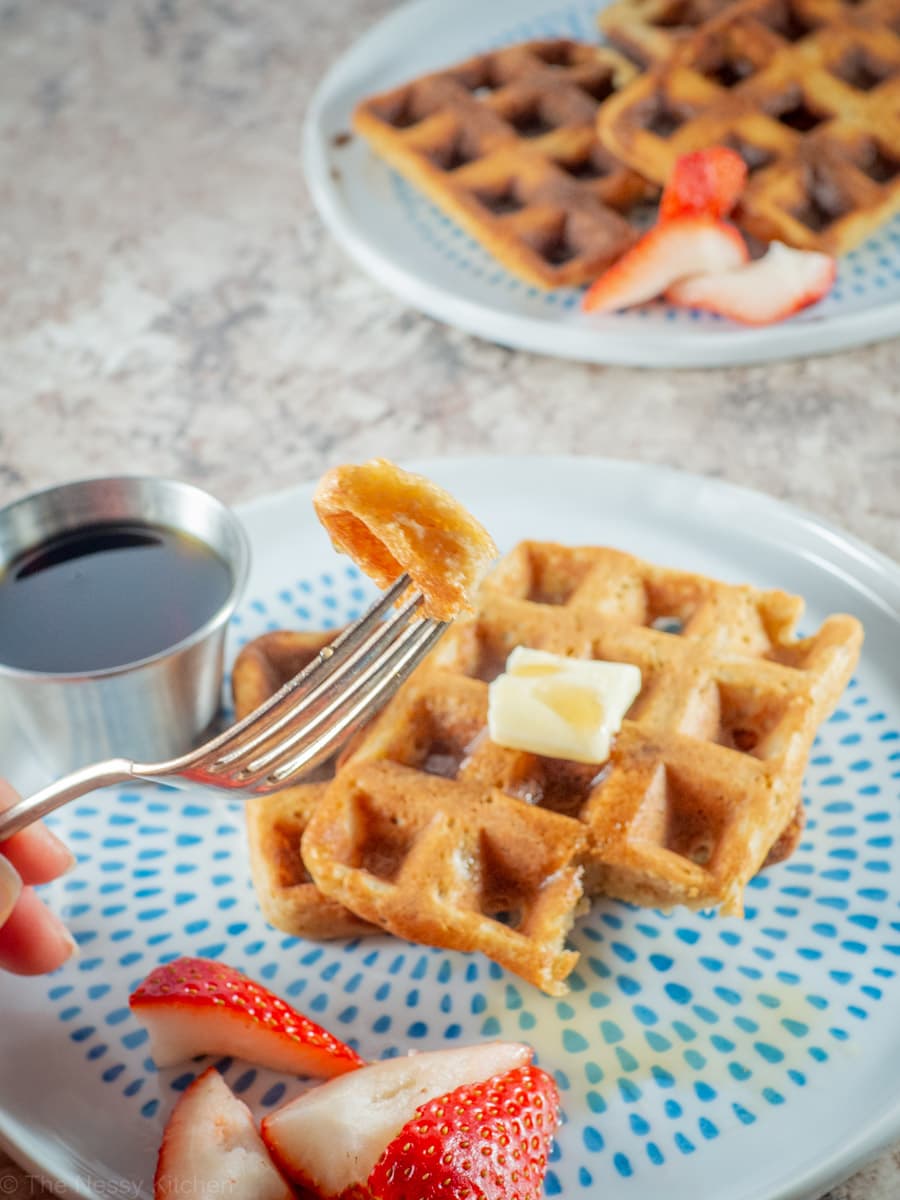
(10, 888)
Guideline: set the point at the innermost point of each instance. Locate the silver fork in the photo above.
(297, 728)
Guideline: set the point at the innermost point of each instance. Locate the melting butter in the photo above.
(560, 707)
(574, 703)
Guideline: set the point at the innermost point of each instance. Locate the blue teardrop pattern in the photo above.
(680, 1029)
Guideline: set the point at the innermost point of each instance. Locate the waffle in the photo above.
(270, 661)
(505, 143)
(275, 823)
(287, 895)
(437, 861)
(425, 829)
(649, 30)
(392, 522)
(807, 91)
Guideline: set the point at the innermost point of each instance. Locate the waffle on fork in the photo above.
(506, 144)
(807, 91)
(422, 830)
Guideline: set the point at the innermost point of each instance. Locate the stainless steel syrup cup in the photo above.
(154, 708)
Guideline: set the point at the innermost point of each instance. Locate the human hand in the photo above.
(32, 939)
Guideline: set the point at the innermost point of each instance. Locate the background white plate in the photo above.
(697, 1056)
(406, 243)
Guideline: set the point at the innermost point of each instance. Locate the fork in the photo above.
(293, 731)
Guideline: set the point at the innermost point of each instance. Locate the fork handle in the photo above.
(55, 795)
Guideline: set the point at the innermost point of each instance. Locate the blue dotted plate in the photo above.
(406, 243)
(696, 1054)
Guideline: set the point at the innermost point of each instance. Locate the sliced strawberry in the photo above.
(780, 283)
(211, 1149)
(330, 1139)
(684, 246)
(196, 1006)
(483, 1141)
(706, 182)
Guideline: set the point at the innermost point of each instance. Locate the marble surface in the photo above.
(173, 305)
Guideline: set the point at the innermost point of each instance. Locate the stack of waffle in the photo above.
(548, 152)
(430, 831)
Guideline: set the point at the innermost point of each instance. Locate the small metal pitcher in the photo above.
(157, 707)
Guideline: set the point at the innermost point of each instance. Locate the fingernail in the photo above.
(10, 888)
(64, 938)
(74, 948)
(71, 861)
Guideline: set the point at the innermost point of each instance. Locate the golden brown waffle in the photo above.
(441, 862)
(807, 91)
(648, 30)
(506, 144)
(287, 895)
(702, 789)
(268, 662)
(275, 823)
(392, 522)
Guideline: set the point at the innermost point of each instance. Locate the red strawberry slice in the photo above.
(708, 181)
(211, 1149)
(777, 285)
(484, 1141)
(689, 245)
(196, 1006)
(330, 1138)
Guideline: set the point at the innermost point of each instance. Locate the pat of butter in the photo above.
(560, 707)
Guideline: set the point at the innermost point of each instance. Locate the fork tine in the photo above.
(351, 647)
(356, 715)
(321, 694)
(400, 651)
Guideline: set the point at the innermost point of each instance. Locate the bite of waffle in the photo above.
(432, 832)
(393, 523)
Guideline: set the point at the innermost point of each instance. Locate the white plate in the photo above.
(406, 243)
(698, 1056)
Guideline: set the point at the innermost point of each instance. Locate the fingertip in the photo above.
(34, 941)
(36, 853)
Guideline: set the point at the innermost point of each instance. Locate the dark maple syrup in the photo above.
(105, 595)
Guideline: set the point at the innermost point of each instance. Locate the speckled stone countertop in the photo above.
(173, 305)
